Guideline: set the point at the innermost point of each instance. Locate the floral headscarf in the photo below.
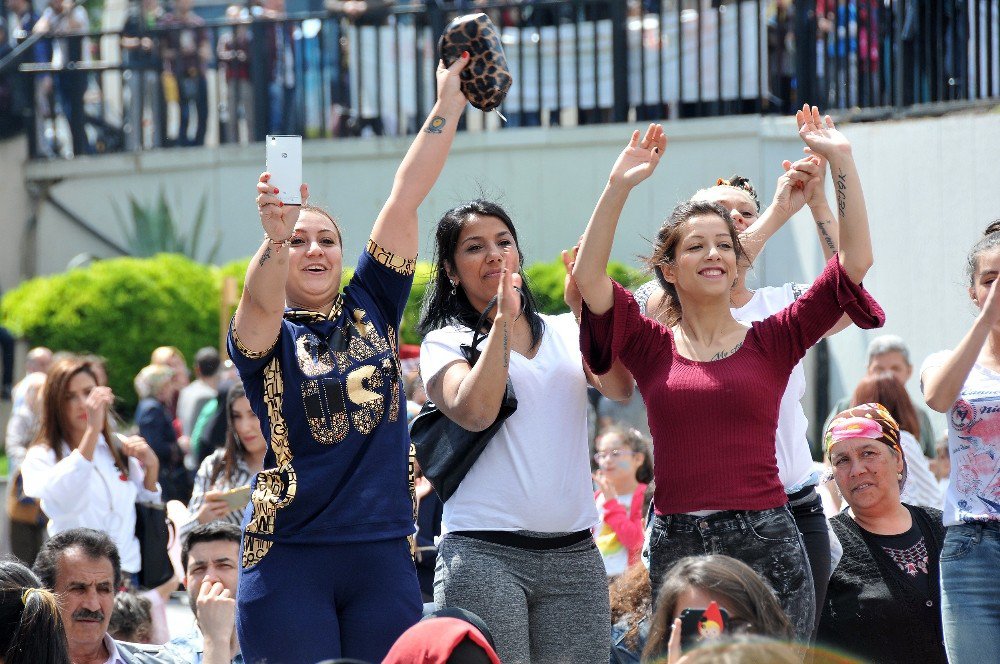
(869, 420)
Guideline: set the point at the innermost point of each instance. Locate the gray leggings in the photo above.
(541, 606)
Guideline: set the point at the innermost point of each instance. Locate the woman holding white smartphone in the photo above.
(328, 520)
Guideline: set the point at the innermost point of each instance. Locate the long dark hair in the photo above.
(748, 597)
(440, 308)
(54, 429)
(31, 629)
(233, 449)
(665, 249)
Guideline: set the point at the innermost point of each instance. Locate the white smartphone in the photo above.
(283, 160)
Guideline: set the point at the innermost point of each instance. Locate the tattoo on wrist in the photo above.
(723, 354)
(435, 125)
(825, 234)
(264, 256)
(506, 348)
(841, 186)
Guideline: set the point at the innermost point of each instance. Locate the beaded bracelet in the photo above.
(280, 243)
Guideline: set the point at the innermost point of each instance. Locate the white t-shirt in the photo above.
(534, 474)
(795, 464)
(974, 443)
(77, 493)
(921, 487)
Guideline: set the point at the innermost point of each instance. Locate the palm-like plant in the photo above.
(153, 230)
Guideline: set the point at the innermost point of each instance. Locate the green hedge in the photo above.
(123, 308)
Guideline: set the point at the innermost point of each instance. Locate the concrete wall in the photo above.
(929, 185)
(15, 210)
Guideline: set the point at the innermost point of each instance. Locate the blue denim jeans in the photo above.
(970, 600)
(766, 540)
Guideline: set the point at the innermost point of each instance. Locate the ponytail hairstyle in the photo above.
(638, 444)
(440, 308)
(989, 241)
(31, 628)
(665, 249)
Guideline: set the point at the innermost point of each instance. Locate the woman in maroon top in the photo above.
(711, 384)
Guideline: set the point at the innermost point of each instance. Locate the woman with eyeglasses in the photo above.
(624, 471)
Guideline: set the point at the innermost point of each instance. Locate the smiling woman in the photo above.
(321, 372)
(717, 483)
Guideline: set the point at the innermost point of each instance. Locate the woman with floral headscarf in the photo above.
(883, 601)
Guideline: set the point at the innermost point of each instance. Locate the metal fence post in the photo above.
(805, 51)
(619, 59)
(259, 76)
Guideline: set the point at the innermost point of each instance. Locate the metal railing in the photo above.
(573, 61)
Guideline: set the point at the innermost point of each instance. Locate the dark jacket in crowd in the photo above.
(870, 612)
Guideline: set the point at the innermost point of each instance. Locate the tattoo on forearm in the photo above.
(506, 348)
(825, 234)
(264, 256)
(723, 354)
(435, 125)
(841, 185)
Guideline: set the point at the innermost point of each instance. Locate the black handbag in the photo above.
(446, 451)
(151, 531)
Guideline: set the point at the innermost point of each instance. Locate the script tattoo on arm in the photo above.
(435, 125)
(506, 350)
(841, 184)
(723, 354)
(264, 256)
(821, 226)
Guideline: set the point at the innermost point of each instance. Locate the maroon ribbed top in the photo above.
(713, 423)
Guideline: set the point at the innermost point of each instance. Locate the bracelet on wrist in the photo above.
(279, 243)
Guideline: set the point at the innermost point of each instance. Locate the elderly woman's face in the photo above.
(866, 472)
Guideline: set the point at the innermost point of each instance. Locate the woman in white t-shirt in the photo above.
(519, 551)
(965, 385)
(81, 480)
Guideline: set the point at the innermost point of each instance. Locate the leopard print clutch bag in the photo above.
(486, 79)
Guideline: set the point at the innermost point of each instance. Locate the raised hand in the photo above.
(136, 446)
(98, 403)
(277, 218)
(508, 297)
(605, 485)
(796, 185)
(639, 158)
(819, 133)
(991, 307)
(216, 611)
(571, 293)
(449, 81)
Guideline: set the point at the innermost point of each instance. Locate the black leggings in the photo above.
(807, 510)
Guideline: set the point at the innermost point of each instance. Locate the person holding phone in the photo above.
(83, 478)
(229, 469)
(745, 602)
(327, 524)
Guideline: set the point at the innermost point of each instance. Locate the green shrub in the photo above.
(120, 309)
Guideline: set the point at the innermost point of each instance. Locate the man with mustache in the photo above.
(82, 567)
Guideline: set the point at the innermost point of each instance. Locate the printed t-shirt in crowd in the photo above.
(714, 423)
(795, 467)
(328, 396)
(534, 474)
(973, 493)
(921, 487)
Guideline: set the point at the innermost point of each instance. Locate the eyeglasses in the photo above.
(613, 454)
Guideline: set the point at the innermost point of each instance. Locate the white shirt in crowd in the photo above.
(535, 473)
(921, 487)
(973, 493)
(77, 493)
(795, 464)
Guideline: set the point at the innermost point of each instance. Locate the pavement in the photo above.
(180, 619)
